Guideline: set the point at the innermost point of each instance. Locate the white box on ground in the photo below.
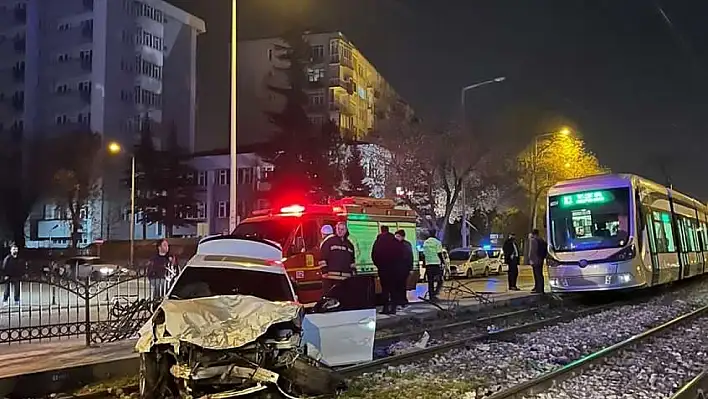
(340, 338)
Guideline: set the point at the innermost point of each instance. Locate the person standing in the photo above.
(537, 255)
(511, 258)
(433, 253)
(13, 270)
(338, 263)
(386, 255)
(406, 268)
(157, 270)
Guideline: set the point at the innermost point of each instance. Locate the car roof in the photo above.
(238, 253)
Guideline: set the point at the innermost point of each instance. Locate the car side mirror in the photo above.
(326, 305)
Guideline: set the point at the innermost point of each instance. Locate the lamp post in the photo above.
(463, 92)
(115, 148)
(233, 197)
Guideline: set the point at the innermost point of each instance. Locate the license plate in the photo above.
(299, 274)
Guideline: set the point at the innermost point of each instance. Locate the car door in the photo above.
(340, 338)
(478, 261)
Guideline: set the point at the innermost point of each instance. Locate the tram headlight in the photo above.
(552, 262)
(625, 254)
(553, 282)
(624, 277)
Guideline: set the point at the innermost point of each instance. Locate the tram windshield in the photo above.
(589, 220)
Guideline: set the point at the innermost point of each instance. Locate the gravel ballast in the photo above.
(484, 368)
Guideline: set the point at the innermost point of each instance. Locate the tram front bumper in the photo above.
(605, 282)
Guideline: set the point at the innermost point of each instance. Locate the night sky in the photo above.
(631, 80)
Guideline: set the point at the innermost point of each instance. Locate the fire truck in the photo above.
(297, 227)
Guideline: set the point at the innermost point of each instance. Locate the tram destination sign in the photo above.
(587, 198)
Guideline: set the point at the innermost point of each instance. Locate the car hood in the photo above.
(218, 322)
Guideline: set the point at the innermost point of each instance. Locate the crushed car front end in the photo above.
(229, 346)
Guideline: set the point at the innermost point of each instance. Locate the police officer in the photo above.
(338, 261)
(432, 251)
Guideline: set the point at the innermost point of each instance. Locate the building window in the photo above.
(62, 119)
(223, 209)
(86, 55)
(85, 86)
(63, 57)
(201, 210)
(317, 53)
(316, 120)
(270, 54)
(245, 176)
(64, 27)
(84, 119)
(334, 51)
(315, 75)
(316, 99)
(224, 177)
(147, 97)
(63, 89)
(202, 179)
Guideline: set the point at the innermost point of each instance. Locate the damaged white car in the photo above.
(231, 326)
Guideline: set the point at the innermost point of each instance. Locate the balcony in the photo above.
(341, 106)
(18, 102)
(20, 14)
(347, 85)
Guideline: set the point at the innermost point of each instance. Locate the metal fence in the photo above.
(52, 307)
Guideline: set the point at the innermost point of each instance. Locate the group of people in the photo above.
(392, 255)
(537, 256)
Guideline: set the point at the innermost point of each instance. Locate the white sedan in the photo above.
(473, 262)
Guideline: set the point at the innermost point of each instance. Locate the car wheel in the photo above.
(469, 273)
(155, 379)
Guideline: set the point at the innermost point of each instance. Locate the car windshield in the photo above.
(201, 282)
(277, 230)
(459, 255)
(493, 253)
(589, 220)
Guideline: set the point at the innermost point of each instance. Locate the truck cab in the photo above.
(296, 228)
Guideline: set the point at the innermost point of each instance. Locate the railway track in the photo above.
(542, 383)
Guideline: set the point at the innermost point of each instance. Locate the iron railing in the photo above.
(53, 307)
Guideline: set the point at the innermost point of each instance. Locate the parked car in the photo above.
(473, 262)
(232, 326)
(495, 258)
(83, 267)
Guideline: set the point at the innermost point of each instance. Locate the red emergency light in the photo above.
(292, 209)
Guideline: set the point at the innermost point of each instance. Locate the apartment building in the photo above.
(102, 65)
(214, 180)
(343, 85)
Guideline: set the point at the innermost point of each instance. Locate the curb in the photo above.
(42, 383)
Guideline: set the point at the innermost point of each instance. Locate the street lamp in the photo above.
(233, 208)
(463, 92)
(115, 148)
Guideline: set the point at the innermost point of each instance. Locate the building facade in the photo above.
(101, 65)
(343, 86)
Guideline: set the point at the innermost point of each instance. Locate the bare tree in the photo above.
(431, 166)
(76, 181)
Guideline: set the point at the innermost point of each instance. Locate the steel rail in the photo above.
(353, 371)
(543, 382)
(697, 388)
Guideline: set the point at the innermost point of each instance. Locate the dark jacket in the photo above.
(338, 253)
(157, 268)
(408, 255)
(387, 253)
(538, 252)
(13, 267)
(508, 249)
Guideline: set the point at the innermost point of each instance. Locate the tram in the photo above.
(621, 231)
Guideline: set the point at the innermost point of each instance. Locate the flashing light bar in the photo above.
(292, 209)
(487, 247)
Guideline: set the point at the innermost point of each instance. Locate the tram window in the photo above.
(650, 233)
(664, 233)
(705, 236)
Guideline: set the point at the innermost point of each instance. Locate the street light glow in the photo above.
(500, 79)
(565, 131)
(114, 148)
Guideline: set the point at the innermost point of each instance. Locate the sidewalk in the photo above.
(34, 370)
